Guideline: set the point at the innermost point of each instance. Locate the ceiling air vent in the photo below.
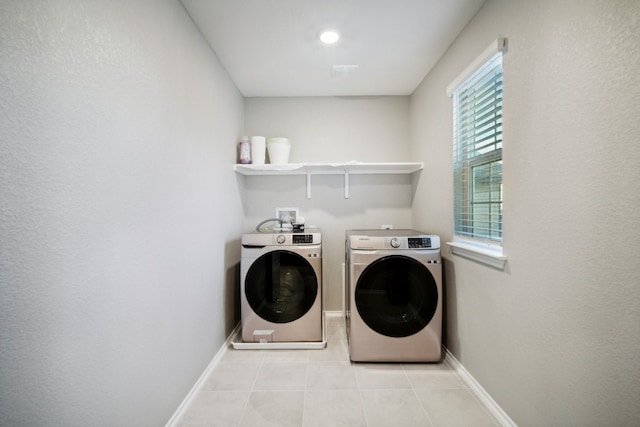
(343, 71)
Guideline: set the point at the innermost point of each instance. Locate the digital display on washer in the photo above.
(302, 238)
(419, 242)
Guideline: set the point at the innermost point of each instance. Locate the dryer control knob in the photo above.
(395, 243)
(281, 239)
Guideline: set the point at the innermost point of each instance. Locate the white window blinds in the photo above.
(477, 149)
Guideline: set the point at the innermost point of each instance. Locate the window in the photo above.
(477, 151)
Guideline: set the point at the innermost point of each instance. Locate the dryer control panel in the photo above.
(392, 239)
(419, 242)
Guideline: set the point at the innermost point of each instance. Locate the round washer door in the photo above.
(396, 296)
(281, 286)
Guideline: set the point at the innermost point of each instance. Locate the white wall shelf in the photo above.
(345, 169)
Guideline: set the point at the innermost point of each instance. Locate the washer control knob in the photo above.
(395, 243)
(281, 238)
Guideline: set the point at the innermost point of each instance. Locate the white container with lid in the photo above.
(278, 149)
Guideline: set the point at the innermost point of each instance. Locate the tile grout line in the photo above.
(355, 372)
(306, 387)
(415, 393)
(251, 391)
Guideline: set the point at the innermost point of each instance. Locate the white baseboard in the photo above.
(186, 403)
(479, 391)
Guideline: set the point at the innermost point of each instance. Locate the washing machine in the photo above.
(281, 287)
(393, 301)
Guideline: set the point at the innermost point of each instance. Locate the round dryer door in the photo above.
(281, 286)
(396, 296)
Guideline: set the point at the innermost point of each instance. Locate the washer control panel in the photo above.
(300, 239)
(282, 239)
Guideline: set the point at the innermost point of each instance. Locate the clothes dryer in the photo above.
(393, 296)
(281, 287)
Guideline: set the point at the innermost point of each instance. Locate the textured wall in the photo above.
(555, 338)
(328, 129)
(116, 262)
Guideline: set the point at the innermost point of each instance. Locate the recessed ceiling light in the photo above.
(329, 37)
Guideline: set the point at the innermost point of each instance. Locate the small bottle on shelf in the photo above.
(244, 151)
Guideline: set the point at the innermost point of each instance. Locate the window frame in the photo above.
(488, 249)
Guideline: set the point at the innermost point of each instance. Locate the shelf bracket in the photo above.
(308, 185)
(346, 184)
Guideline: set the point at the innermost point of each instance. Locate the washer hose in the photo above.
(259, 230)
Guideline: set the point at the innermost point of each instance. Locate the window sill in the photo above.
(483, 254)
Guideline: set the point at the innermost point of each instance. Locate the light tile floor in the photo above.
(260, 388)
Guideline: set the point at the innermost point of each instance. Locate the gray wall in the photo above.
(331, 130)
(120, 216)
(555, 338)
(117, 263)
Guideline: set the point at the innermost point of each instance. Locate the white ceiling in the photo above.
(271, 47)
